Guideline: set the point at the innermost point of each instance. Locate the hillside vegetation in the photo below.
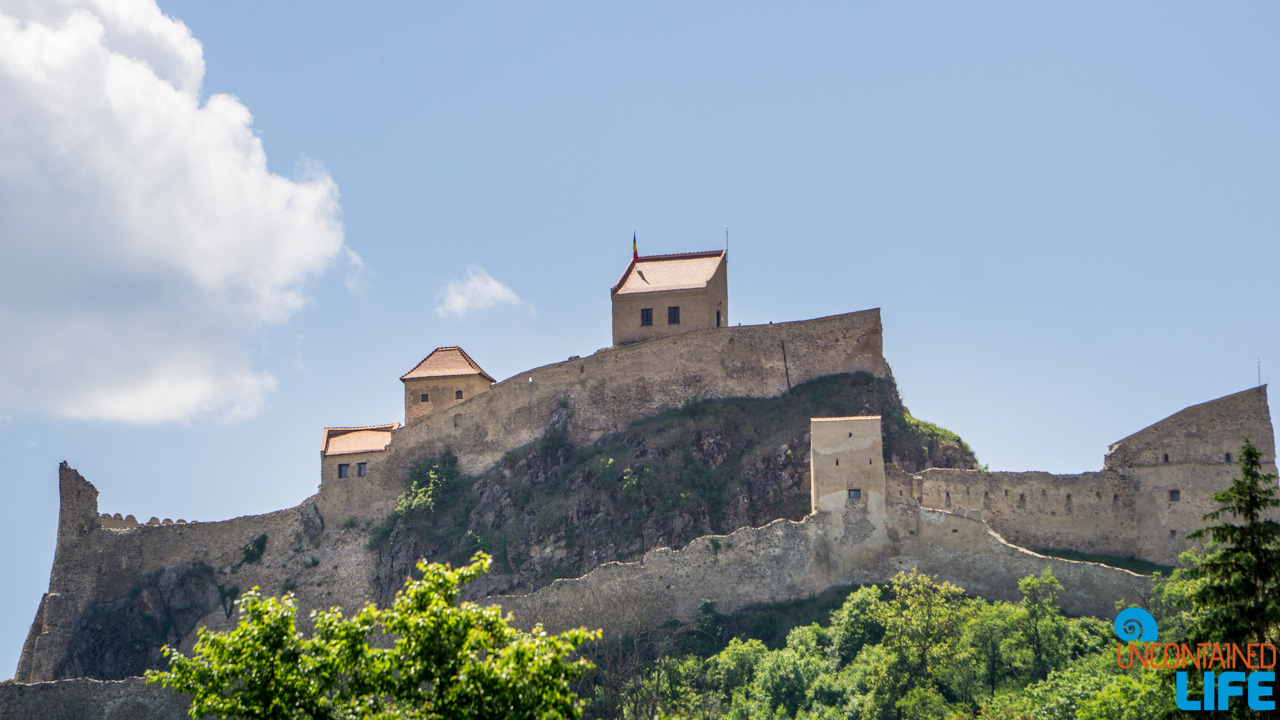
(552, 509)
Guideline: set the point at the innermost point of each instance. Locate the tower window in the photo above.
(673, 316)
(362, 469)
(426, 397)
(1175, 496)
(344, 470)
(1166, 457)
(717, 318)
(646, 316)
(457, 395)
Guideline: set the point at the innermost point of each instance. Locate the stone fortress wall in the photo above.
(1155, 486)
(100, 557)
(863, 539)
(856, 533)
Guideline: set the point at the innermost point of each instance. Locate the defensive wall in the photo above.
(1155, 487)
(615, 387)
(1125, 509)
(103, 557)
(855, 534)
(610, 389)
(85, 699)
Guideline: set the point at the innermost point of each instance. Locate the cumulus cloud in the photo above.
(478, 292)
(142, 234)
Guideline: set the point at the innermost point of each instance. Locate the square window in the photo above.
(646, 316)
(673, 316)
(457, 395)
(362, 469)
(426, 397)
(1175, 496)
(855, 493)
(344, 470)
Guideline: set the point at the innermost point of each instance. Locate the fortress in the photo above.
(672, 344)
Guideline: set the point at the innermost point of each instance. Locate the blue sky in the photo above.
(221, 236)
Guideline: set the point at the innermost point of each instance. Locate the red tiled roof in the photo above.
(347, 440)
(446, 362)
(678, 271)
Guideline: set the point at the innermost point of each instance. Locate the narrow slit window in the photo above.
(1166, 457)
(344, 470)
(717, 318)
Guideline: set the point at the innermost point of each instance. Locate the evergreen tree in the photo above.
(1239, 600)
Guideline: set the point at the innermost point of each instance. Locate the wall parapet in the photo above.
(614, 387)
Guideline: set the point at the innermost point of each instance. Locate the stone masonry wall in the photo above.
(788, 560)
(84, 699)
(612, 388)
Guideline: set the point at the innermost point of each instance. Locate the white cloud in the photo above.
(142, 235)
(478, 292)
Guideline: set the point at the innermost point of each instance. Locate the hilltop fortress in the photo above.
(672, 345)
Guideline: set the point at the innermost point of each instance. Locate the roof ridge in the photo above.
(470, 362)
(391, 425)
(683, 255)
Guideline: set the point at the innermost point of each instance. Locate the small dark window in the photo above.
(457, 395)
(426, 397)
(855, 493)
(1166, 457)
(673, 316)
(1228, 457)
(344, 470)
(1173, 533)
(837, 461)
(1174, 496)
(717, 318)
(948, 499)
(646, 316)
(362, 469)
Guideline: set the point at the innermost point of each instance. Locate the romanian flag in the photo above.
(635, 254)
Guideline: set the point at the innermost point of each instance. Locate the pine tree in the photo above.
(1239, 598)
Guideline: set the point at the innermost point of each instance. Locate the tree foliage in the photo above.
(427, 656)
(1239, 600)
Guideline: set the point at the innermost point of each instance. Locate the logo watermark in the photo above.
(1222, 666)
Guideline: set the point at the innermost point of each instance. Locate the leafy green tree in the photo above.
(854, 625)
(1040, 620)
(440, 659)
(993, 635)
(1239, 600)
(923, 621)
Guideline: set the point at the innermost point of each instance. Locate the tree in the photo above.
(1042, 624)
(923, 621)
(440, 659)
(1239, 598)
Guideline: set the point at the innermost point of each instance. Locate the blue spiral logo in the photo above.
(1136, 624)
